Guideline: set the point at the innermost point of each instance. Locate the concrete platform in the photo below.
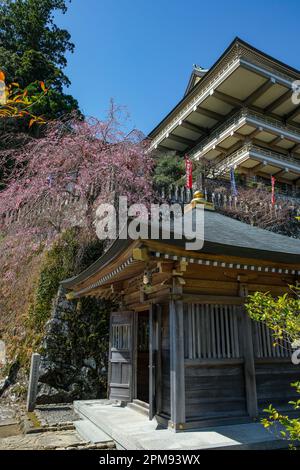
(90, 432)
(133, 431)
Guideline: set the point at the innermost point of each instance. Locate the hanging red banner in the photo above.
(273, 180)
(189, 173)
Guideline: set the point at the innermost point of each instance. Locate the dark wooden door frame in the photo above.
(127, 359)
(134, 354)
(155, 314)
(154, 360)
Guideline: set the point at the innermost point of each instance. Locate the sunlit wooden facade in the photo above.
(180, 339)
(240, 113)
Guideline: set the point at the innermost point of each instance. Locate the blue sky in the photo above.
(141, 52)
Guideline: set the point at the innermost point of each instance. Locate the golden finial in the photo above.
(198, 198)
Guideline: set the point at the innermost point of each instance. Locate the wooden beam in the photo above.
(280, 179)
(290, 116)
(177, 370)
(181, 266)
(140, 254)
(247, 342)
(117, 287)
(210, 114)
(237, 145)
(258, 93)
(165, 267)
(165, 147)
(156, 246)
(276, 140)
(194, 127)
(220, 149)
(213, 362)
(211, 299)
(235, 102)
(278, 102)
(296, 181)
(255, 132)
(259, 167)
(295, 148)
(281, 172)
(239, 135)
(277, 149)
(181, 140)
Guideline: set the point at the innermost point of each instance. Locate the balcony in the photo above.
(242, 77)
(254, 160)
(246, 126)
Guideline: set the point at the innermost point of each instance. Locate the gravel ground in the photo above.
(42, 441)
(57, 433)
(53, 414)
(6, 412)
(59, 440)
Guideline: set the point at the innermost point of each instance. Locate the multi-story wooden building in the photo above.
(243, 112)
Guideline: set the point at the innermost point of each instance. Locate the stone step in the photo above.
(139, 408)
(90, 432)
(141, 403)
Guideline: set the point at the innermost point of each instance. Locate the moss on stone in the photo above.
(58, 263)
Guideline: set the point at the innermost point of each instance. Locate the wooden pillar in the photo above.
(158, 376)
(249, 365)
(177, 379)
(152, 361)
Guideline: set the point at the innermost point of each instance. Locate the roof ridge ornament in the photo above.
(199, 198)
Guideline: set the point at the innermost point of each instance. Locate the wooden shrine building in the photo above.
(180, 339)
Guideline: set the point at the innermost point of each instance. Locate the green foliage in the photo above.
(31, 43)
(290, 426)
(70, 254)
(66, 257)
(86, 320)
(54, 104)
(33, 48)
(58, 264)
(169, 170)
(90, 329)
(34, 420)
(282, 316)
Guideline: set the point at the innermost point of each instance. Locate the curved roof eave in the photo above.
(185, 98)
(222, 236)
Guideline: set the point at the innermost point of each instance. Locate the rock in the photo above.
(56, 325)
(11, 378)
(47, 394)
(84, 373)
(75, 390)
(90, 362)
(56, 374)
(73, 352)
(46, 368)
(3, 385)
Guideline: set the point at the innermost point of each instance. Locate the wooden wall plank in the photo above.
(248, 353)
(177, 383)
